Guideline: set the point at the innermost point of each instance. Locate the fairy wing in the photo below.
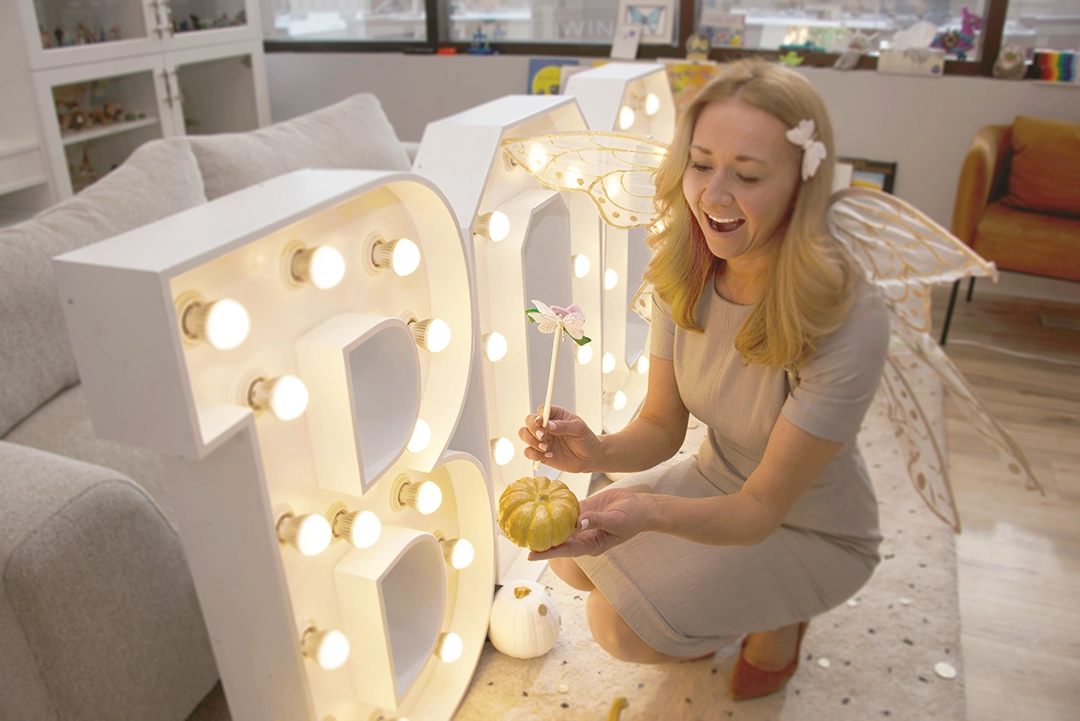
(614, 169)
(904, 254)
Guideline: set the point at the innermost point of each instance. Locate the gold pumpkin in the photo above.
(538, 513)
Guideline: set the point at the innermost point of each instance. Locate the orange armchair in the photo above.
(1018, 200)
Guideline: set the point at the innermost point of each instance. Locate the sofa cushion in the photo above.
(1044, 175)
(62, 426)
(354, 134)
(1029, 242)
(160, 178)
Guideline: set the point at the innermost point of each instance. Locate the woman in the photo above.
(764, 329)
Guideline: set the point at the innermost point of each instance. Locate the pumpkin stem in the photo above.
(522, 591)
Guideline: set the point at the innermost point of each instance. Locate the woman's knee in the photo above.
(570, 572)
(615, 635)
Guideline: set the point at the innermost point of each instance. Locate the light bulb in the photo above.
(360, 528)
(449, 647)
(432, 334)
(495, 346)
(619, 401)
(582, 266)
(611, 279)
(421, 436)
(612, 184)
(642, 364)
(309, 534)
(652, 103)
(401, 256)
(285, 396)
(626, 117)
(584, 354)
(458, 552)
(608, 363)
(330, 649)
(322, 266)
(538, 157)
(502, 451)
(224, 323)
(495, 226)
(425, 496)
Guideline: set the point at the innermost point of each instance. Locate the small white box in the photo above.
(913, 61)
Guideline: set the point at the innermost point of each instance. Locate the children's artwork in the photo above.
(545, 75)
(724, 30)
(655, 17)
(624, 45)
(697, 47)
(872, 174)
(687, 80)
(1058, 66)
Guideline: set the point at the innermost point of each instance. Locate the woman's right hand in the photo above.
(567, 444)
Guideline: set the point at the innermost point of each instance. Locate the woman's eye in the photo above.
(745, 179)
(699, 166)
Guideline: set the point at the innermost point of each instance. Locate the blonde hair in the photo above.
(808, 283)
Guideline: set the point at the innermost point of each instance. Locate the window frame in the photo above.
(438, 26)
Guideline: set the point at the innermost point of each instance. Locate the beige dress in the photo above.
(688, 599)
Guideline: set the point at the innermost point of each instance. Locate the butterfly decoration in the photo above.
(552, 319)
(813, 150)
(902, 252)
(650, 17)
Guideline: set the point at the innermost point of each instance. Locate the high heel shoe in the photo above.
(749, 681)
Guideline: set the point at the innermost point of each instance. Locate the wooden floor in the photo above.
(1019, 553)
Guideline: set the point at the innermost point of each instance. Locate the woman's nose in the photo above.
(717, 193)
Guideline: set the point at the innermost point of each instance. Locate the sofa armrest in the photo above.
(984, 161)
(98, 611)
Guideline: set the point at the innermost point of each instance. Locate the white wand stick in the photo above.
(550, 389)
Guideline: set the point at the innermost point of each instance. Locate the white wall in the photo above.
(923, 124)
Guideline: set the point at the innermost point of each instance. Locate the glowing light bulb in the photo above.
(494, 226)
(611, 279)
(224, 323)
(458, 552)
(608, 363)
(425, 496)
(432, 334)
(626, 117)
(538, 157)
(449, 647)
(322, 266)
(652, 104)
(421, 436)
(642, 364)
(495, 346)
(584, 354)
(330, 649)
(309, 534)
(502, 451)
(285, 396)
(582, 265)
(618, 402)
(360, 528)
(402, 256)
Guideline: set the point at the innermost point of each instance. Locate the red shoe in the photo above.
(749, 681)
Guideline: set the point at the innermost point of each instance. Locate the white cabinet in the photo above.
(91, 81)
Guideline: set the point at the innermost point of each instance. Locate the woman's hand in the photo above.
(566, 444)
(607, 519)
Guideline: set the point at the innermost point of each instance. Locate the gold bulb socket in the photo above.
(382, 254)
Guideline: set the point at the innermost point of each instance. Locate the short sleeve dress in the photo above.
(688, 599)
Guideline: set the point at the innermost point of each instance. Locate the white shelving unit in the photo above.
(159, 75)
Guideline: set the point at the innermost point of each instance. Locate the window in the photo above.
(373, 20)
(1043, 24)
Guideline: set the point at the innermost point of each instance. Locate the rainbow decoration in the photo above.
(1057, 65)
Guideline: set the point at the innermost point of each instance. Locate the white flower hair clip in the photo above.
(813, 150)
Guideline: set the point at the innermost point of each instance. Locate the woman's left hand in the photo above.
(607, 519)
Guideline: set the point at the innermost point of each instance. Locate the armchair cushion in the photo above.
(1045, 172)
(1029, 242)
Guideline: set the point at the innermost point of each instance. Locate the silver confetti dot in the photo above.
(563, 688)
(852, 602)
(823, 662)
(944, 670)
(905, 601)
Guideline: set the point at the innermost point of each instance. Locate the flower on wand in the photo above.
(552, 319)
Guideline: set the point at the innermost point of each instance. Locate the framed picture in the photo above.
(657, 18)
(873, 174)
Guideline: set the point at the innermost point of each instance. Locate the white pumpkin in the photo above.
(524, 620)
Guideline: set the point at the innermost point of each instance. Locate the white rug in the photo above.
(874, 659)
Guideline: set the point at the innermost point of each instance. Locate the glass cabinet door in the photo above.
(217, 89)
(73, 32)
(197, 23)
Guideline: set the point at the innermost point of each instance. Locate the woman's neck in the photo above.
(742, 280)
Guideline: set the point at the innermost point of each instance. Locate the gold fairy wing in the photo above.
(925, 461)
(616, 170)
(903, 252)
(642, 302)
(927, 352)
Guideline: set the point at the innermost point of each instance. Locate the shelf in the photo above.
(82, 136)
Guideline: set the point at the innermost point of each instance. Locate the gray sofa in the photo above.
(98, 614)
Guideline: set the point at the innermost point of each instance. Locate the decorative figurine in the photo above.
(697, 47)
(791, 59)
(480, 44)
(857, 45)
(1011, 63)
(962, 40)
